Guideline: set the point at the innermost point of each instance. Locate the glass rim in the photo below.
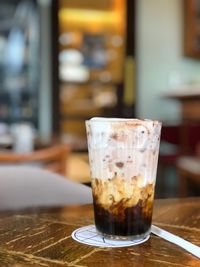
(113, 120)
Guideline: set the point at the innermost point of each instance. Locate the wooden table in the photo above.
(43, 238)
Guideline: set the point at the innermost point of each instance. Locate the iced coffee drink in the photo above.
(123, 156)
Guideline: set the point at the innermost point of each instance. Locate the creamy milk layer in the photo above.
(123, 148)
(116, 195)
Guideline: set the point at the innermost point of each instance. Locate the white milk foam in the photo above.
(123, 148)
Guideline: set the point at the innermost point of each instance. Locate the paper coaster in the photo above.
(89, 236)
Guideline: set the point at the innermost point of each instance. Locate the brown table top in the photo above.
(43, 238)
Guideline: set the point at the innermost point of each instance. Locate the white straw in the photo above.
(193, 249)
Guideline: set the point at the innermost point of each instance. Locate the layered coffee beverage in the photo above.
(123, 156)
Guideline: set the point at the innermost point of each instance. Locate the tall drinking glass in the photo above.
(123, 155)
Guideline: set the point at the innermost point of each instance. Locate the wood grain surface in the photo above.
(43, 238)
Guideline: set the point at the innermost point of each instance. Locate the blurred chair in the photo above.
(53, 158)
(170, 144)
(177, 141)
(78, 169)
(188, 169)
(26, 187)
(170, 151)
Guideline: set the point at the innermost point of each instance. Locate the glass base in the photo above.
(134, 238)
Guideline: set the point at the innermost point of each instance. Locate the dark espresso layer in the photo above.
(133, 222)
(127, 215)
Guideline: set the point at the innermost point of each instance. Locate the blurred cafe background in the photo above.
(65, 61)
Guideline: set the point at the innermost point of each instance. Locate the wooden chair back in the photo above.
(52, 158)
(198, 150)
